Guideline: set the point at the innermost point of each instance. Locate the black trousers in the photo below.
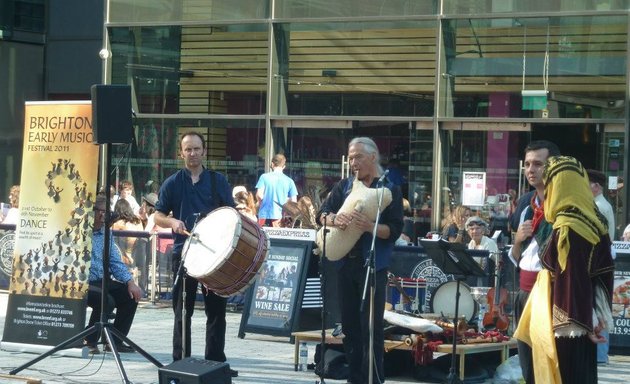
(524, 351)
(117, 297)
(577, 358)
(355, 324)
(215, 308)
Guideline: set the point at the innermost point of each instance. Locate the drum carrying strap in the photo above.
(213, 185)
(216, 198)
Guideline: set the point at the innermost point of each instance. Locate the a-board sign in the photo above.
(275, 298)
(620, 333)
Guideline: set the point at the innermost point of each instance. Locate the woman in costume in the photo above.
(571, 299)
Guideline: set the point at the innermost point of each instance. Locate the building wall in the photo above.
(73, 41)
(441, 94)
(46, 53)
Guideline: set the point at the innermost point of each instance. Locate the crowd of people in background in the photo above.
(535, 217)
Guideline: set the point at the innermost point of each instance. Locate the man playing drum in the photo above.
(364, 157)
(189, 194)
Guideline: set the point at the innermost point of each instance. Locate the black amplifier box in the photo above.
(195, 371)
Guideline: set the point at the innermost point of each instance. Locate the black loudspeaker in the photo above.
(195, 371)
(111, 114)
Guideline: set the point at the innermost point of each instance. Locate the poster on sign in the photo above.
(474, 189)
(620, 333)
(51, 252)
(273, 303)
(275, 298)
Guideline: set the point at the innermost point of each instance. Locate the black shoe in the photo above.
(92, 347)
(120, 348)
(233, 373)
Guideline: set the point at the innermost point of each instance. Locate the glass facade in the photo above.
(580, 61)
(352, 8)
(444, 88)
(155, 154)
(382, 68)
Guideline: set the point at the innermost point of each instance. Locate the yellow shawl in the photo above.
(538, 333)
(569, 203)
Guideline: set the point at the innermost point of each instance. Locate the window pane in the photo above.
(496, 154)
(186, 10)
(353, 8)
(193, 69)
(371, 68)
(315, 150)
(233, 148)
(580, 61)
(421, 180)
(501, 6)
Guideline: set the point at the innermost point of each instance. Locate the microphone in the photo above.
(380, 181)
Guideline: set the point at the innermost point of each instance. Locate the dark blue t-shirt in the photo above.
(179, 195)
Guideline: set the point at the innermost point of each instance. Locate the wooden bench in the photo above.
(461, 349)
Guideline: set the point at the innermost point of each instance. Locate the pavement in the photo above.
(259, 359)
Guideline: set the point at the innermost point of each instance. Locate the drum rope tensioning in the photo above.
(226, 251)
(253, 269)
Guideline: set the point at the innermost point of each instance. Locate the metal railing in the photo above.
(152, 274)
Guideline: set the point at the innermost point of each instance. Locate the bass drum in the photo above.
(443, 301)
(226, 251)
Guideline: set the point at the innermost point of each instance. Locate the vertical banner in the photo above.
(53, 236)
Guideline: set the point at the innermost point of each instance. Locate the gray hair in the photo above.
(370, 147)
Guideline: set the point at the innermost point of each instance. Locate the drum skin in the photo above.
(443, 301)
(226, 251)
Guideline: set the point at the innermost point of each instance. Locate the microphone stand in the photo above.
(322, 281)
(370, 278)
(181, 273)
(452, 377)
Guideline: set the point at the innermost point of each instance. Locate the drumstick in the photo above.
(195, 237)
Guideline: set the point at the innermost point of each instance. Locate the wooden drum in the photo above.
(225, 251)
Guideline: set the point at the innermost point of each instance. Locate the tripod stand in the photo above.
(180, 278)
(103, 327)
(451, 258)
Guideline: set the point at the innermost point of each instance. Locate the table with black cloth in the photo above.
(413, 262)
